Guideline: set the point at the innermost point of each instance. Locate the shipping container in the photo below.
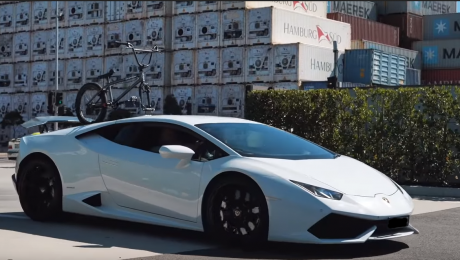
(6, 18)
(76, 44)
(6, 48)
(313, 85)
(295, 85)
(21, 103)
(156, 99)
(208, 29)
(94, 67)
(363, 29)
(301, 62)
(40, 12)
(208, 6)
(94, 12)
(184, 7)
(207, 100)
(184, 29)
(159, 72)
(115, 11)
(52, 74)
(135, 9)
(52, 43)
(310, 8)
(38, 104)
(184, 96)
(158, 32)
(374, 67)
(410, 25)
(113, 33)
(232, 100)
(232, 64)
(21, 43)
(22, 77)
(114, 63)
(183, 68)
(5, 107)
(413, 77)
(74, 74)
(362, 9)
(22, 15)
(134, 33)
(159, 8)
(441, 77)
(69, 98)
(439, 54)
(414, 58)
(75, 13)
(275, 26)
(416, 7)
(259, 64)
(39, 43)
(6, 78)
(39, 74)
(207, 66)
(443, 26)
(61, 14)
(233, 28)
(94, 41)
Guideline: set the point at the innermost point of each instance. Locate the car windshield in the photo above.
(258, 140)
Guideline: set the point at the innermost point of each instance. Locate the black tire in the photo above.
(238, 215)
(103, 100)
(40, 190)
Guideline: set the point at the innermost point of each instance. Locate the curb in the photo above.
(432, 191)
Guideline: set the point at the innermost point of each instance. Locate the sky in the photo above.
(458, 6)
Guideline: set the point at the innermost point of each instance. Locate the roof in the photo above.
(187, 119)
(41, 120)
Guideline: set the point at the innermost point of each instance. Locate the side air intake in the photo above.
(94, 201)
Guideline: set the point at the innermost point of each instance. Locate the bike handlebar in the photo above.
(130, 46)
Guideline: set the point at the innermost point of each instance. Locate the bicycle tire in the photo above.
(80, 114)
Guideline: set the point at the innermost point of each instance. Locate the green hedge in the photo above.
(410, 134)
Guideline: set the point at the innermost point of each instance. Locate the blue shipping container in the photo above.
(413, 77)
(311, 85)
(374, 67)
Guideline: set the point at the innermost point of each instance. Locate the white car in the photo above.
(232, 178)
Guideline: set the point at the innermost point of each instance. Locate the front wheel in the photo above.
(94, 111)
(237, 211)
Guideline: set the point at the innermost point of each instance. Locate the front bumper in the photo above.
(13, 178)
(12, 154)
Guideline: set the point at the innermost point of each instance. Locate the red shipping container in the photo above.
(410, 25)
(440, 77)
(363, 29)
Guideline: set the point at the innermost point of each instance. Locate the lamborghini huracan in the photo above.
(232, 178)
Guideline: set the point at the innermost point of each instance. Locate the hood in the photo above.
(344, 174)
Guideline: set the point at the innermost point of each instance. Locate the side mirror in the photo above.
(176, 152)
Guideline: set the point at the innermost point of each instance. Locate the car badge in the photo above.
(386, 200)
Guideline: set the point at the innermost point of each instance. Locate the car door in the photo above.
(140, 179)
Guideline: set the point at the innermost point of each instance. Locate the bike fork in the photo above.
(149, 106)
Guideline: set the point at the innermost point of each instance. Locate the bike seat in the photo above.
(106, 75)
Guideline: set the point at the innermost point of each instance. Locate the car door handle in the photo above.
(110, 162)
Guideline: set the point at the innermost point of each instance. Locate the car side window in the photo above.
(119, 133)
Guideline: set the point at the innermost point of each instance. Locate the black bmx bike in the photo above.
(92, 97)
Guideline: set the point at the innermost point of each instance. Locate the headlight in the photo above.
(319, 192)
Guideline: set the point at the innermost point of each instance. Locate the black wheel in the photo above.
(96, 111)
(237, 212)
(40, 190)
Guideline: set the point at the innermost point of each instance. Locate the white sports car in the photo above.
(233, 178)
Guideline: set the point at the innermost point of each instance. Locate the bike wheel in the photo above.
(96, 111)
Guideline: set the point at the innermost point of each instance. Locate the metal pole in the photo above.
(57, 64)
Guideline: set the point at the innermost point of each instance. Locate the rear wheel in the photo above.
(40, 190)
(237, 212)
(94, 111)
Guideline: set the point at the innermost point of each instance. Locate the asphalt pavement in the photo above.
(83, 238)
